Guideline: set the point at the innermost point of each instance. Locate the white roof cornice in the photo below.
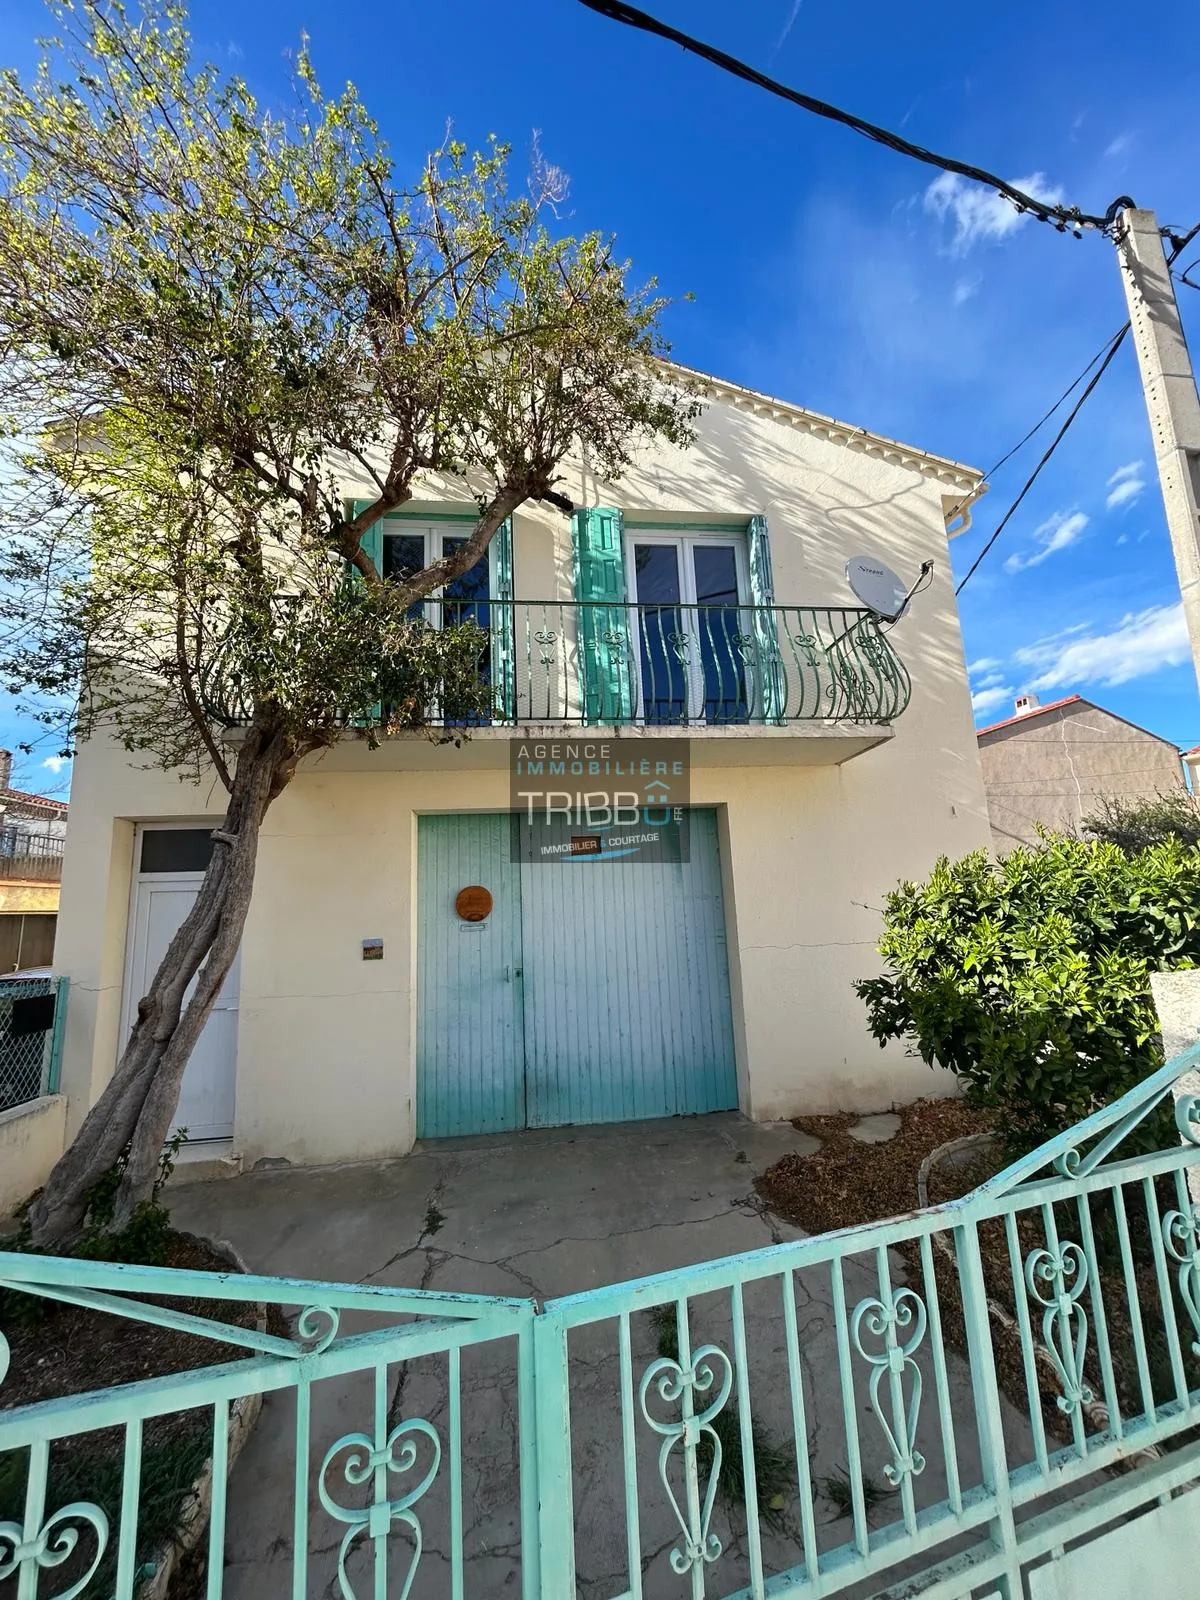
(955, 474)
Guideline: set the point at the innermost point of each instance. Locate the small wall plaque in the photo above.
(473, 903)
(372, 949)
(587, 844)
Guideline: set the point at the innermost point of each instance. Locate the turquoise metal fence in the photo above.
(981, 1397)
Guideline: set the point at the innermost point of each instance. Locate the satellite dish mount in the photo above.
(879, 588)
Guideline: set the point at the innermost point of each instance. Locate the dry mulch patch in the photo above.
(59, 1350)
(846, 1183)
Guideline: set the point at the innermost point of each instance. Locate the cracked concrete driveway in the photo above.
(545, 1213)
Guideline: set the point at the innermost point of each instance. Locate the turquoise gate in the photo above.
(997, 1397)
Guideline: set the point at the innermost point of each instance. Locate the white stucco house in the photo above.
(701, 600)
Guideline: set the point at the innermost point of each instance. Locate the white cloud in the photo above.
(55, 763)
(981, 213)
(1125, 486)
(1056, 533)
(1142, 643)
(984, 664)
(1119, 145)
(965, 289)
(787, 28)
(1125, 493)
(989, 699)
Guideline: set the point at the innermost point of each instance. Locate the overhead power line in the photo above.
(1113, 346)
(1063, 217)
(1037, 427)
(1031, 480)
(1179, 245)
(1046, 415)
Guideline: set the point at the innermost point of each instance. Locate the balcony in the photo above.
(29, 857)
(805, 683)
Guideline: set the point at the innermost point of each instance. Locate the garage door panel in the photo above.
(625, 987)
(627, 1011)
(597, 1033)
(470, 1050)
(709, 1021)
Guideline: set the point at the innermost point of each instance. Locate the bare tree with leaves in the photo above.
(212, 318)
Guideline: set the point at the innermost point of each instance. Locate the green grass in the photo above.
(94, 1475)
(839, 1491)
(774, 1468)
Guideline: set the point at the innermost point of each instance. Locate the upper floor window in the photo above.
(463, 599)
(482, 595)
(690, 590)
(692, 569)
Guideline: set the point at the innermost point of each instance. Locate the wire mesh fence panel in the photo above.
(27, 1037)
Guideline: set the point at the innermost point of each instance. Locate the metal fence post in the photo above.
(547, 1491)
(57, 1033)
(527, 1457)
(989, 1421)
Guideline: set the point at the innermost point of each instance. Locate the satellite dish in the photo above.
(877, 586)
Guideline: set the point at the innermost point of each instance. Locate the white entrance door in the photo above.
(162, 897)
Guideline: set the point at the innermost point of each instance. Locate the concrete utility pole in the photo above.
(1171, 397)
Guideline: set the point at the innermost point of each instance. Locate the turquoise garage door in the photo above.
(595, 990)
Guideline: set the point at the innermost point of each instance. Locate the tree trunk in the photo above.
(137, 1106)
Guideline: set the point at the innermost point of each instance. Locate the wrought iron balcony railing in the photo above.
(30, 856)
(597, 663)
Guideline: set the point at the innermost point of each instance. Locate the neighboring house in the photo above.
(1053, 765)
(701, 601)
(32, 829)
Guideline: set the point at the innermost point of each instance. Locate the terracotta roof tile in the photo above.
(1027, 716)
(23, 797)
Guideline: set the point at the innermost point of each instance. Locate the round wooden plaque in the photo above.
(474, 903)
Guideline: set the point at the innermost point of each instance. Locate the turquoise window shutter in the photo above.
(503, 625)
(768, 662)
(371, 544)
(605, 652)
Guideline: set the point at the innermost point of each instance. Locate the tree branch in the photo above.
(502, 504)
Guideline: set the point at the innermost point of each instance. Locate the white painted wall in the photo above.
(325, 1055)
(31, 1141)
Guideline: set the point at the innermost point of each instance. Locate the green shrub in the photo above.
(1137, 824)
(144, 1239)
(1031, 979)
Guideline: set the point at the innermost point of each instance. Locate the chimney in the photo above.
(1025, 703)
(5, 768)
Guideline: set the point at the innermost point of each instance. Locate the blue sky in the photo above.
(827, 271)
